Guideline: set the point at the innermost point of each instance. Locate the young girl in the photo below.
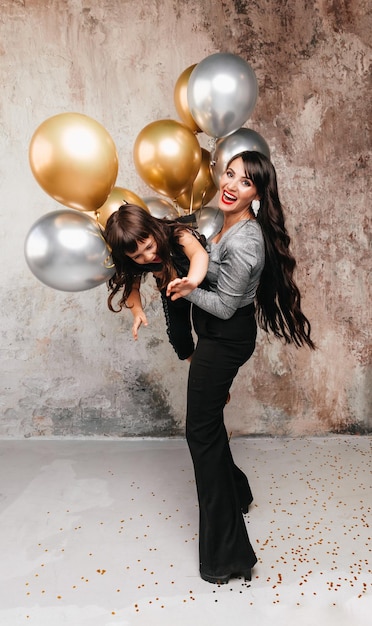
(141, 243)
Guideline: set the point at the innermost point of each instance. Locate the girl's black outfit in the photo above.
(177, 313)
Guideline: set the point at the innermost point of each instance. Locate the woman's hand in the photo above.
(180, 287)
(138, 320)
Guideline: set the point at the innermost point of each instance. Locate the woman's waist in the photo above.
(241, 326)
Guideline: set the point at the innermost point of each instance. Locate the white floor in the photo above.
(105, 532)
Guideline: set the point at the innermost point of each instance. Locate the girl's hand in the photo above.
(138, 320)
(180, 287)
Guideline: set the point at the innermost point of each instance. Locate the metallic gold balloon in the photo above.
(74, 160)
(117, 197)
(161, 208)
(226, 148)
(180, 99)
(167, 156)
(221, 93)
(66, 250)
(203, 188)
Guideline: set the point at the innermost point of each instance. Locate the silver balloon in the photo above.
(221, 92)
(65, 250)
(226, 148)
(160, 208)
(209, 221)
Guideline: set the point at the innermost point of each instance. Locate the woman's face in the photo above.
(146, 252)
(236, 189)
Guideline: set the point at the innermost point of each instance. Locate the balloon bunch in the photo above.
(215, 96)
(75, 161)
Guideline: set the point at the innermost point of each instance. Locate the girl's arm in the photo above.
(198, 258)
(135, 304)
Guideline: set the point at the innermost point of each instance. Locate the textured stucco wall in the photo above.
(68, 365)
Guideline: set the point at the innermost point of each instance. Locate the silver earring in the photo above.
(255, 206)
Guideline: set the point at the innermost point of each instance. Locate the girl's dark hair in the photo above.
(278, 297)
(126, 227)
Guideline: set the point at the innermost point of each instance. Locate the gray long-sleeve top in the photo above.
(235, 266)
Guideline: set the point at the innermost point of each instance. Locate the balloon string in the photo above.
(176, 206)
(191, 201)
(108, 263)
(212, 143)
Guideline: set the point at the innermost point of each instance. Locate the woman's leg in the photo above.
(243, 487)
(224, 545)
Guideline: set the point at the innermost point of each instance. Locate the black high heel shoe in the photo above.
(223, 580)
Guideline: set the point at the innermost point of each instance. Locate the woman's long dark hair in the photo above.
(278, 297)
(126, 227)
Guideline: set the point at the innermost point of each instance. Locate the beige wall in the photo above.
(68, 365)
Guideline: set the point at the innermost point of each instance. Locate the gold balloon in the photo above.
(203, 188)
(180, 100)
(167, 156)
(117, 197)
(74, 160)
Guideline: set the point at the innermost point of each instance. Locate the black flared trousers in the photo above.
(223, 490)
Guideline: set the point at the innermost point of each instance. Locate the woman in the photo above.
(249, 263)
(141, 243)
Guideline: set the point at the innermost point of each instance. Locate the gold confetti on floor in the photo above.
(105, 532)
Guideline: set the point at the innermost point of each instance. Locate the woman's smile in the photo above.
(228, 198)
